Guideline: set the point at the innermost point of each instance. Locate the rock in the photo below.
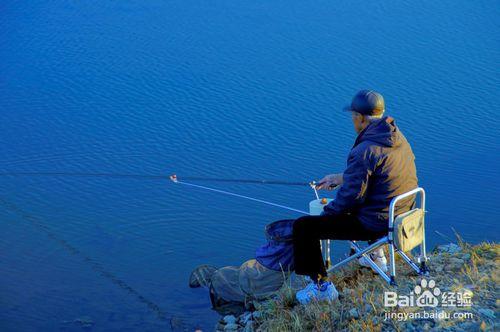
(368, 308)
(353, 313)
(257, 314)
(469, 326)
(454, 264)
(451, 248)
(424, 324)
(438, 268)
(231, 327)
(229, 319)
(466, 257)
(220, 327)
(409, 328)
(457, 261)
(487, 312)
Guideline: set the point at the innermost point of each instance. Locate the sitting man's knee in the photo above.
(299, 224)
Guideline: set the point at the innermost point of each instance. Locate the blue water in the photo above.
(249, 89)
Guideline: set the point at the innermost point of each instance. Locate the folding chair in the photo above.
(393, 240)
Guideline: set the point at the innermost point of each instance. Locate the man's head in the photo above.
(366, 106)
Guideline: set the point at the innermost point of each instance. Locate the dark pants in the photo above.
(308, 230)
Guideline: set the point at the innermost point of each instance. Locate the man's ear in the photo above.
(364, 120)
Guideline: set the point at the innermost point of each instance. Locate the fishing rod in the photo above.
(156, 177)
(277, 182)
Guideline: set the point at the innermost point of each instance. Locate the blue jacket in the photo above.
(380, 166)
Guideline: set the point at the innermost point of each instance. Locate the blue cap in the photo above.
(367, 102)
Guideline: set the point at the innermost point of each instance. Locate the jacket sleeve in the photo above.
(352, 193)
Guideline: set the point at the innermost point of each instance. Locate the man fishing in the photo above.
(380, 166)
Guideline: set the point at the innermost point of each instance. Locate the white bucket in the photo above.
(316, 206)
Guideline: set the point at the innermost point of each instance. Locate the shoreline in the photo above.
(459, 272)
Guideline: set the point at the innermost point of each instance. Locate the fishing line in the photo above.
(312, 184)
(175, 180)
(104, 175)
(96, 266)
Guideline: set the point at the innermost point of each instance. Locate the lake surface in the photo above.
(232, 89)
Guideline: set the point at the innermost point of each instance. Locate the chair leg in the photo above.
(328, 254)
(392, 263)
(424, 270)
(409, 261)
(325, 251)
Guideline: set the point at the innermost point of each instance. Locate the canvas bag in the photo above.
(409, 229)
(232, 286)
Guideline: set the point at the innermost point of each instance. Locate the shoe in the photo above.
(378, 257)
(309, 287)
(324, 291)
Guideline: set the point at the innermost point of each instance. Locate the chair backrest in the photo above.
(409, 227)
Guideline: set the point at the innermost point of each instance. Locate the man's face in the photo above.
(357, 121)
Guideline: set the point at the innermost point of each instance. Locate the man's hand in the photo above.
(330, 181)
